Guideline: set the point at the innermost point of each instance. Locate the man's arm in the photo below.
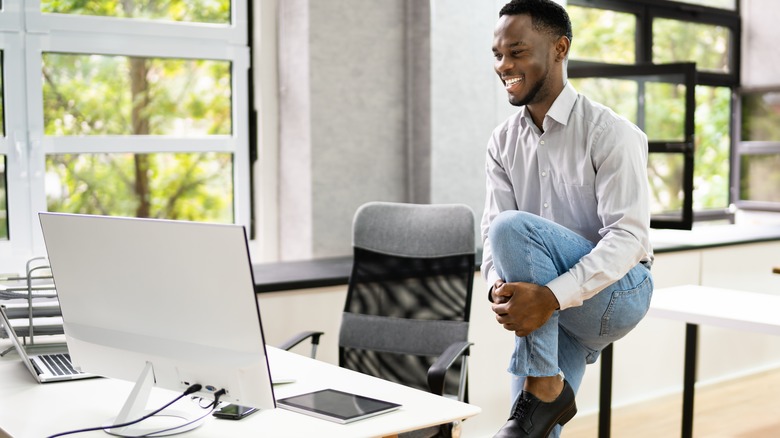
(621, 187)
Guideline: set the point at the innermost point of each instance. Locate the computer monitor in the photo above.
(160, 302)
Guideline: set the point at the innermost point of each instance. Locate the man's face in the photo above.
(523, 59)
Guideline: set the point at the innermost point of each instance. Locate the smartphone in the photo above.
(234, 412)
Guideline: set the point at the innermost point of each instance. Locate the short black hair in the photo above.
(546, 15)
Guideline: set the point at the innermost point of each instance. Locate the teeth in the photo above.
(513, 81)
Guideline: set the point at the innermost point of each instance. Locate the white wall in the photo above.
(760, 33)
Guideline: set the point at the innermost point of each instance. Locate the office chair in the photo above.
(406, 315)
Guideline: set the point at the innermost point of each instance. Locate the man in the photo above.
(566, 221)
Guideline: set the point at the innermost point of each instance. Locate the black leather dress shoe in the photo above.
(534, 418)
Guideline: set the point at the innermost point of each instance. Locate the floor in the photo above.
(744, 408)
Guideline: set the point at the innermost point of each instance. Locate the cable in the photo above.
(192, 389)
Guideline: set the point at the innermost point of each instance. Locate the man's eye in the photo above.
(497, 56)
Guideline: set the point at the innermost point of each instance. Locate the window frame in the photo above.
(646, 11)
(684, 147)
(748, 147)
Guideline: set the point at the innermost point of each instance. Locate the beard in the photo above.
(530, 96)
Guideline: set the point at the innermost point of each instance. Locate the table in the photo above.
(30, 409)
(696, 305)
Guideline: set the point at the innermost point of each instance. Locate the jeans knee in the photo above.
(507, 223)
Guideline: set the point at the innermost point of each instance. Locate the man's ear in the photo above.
(562, 46)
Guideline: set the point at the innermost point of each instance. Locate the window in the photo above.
(659, 99)
(132, 108)
(649, 33)
(759, 150)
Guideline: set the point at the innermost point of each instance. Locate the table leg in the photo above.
(605, 392)
(689, 379)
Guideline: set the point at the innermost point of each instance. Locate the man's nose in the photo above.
(503, 65)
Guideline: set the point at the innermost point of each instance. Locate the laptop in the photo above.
(52, 366)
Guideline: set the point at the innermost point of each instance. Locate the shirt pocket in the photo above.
(581, 213)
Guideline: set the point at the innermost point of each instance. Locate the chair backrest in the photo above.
(409, 294)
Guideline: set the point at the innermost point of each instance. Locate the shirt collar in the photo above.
(560, 109)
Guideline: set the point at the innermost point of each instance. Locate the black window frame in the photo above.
(646, 11)
(684, 147)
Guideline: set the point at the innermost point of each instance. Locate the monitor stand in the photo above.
(166, 422)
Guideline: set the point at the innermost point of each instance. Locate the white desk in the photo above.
(29, 409)
(696, 305)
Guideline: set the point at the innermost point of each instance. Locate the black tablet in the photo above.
(338, 406)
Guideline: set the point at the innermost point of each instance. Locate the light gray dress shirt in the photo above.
(588, 172)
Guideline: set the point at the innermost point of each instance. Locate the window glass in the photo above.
(662, 119)
(618, 94)
(761, 116)
(195, 11)
(682, 41)
(664, 111)
(664, 114)
(760, 177)
(3, 193)
(720, 4)
(665, 173)
(712, 147)
(120, 95)
(602, 35)
(3, 202)
(188, 186)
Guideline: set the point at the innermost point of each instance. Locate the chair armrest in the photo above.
(438, 370)
(300, 337)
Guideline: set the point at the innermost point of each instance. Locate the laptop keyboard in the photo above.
(59, 364)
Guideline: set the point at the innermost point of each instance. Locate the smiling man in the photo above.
(566, 223)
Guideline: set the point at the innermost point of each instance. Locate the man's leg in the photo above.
(531, 249)
(527, 248)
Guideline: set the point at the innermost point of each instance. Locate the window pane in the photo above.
(712, 151)
(618, 94)
(720, 4)
(195, 186)
(3, 202)
(760, 178)
(761, 116)
(121, 95)
(665, 111)
(196, 11)
(603, 36)
(665, 173)
(682, 41)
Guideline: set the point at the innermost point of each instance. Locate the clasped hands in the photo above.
(522, 307)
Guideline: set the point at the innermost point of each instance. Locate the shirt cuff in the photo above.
(566, 291)
(492, 278)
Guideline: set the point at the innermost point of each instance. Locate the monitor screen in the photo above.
(174, 296)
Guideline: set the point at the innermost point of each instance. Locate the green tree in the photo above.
(120, 95)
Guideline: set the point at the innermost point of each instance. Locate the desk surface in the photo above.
(728, 308)
(29, 409)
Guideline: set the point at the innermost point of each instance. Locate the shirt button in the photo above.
(544, 173)
(545, 205)
(541, 142)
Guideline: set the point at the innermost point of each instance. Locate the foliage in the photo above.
(87, 95)
(197, 11)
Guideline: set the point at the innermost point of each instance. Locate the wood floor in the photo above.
(744, 408)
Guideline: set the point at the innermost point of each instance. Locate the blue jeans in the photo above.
(532, 249)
